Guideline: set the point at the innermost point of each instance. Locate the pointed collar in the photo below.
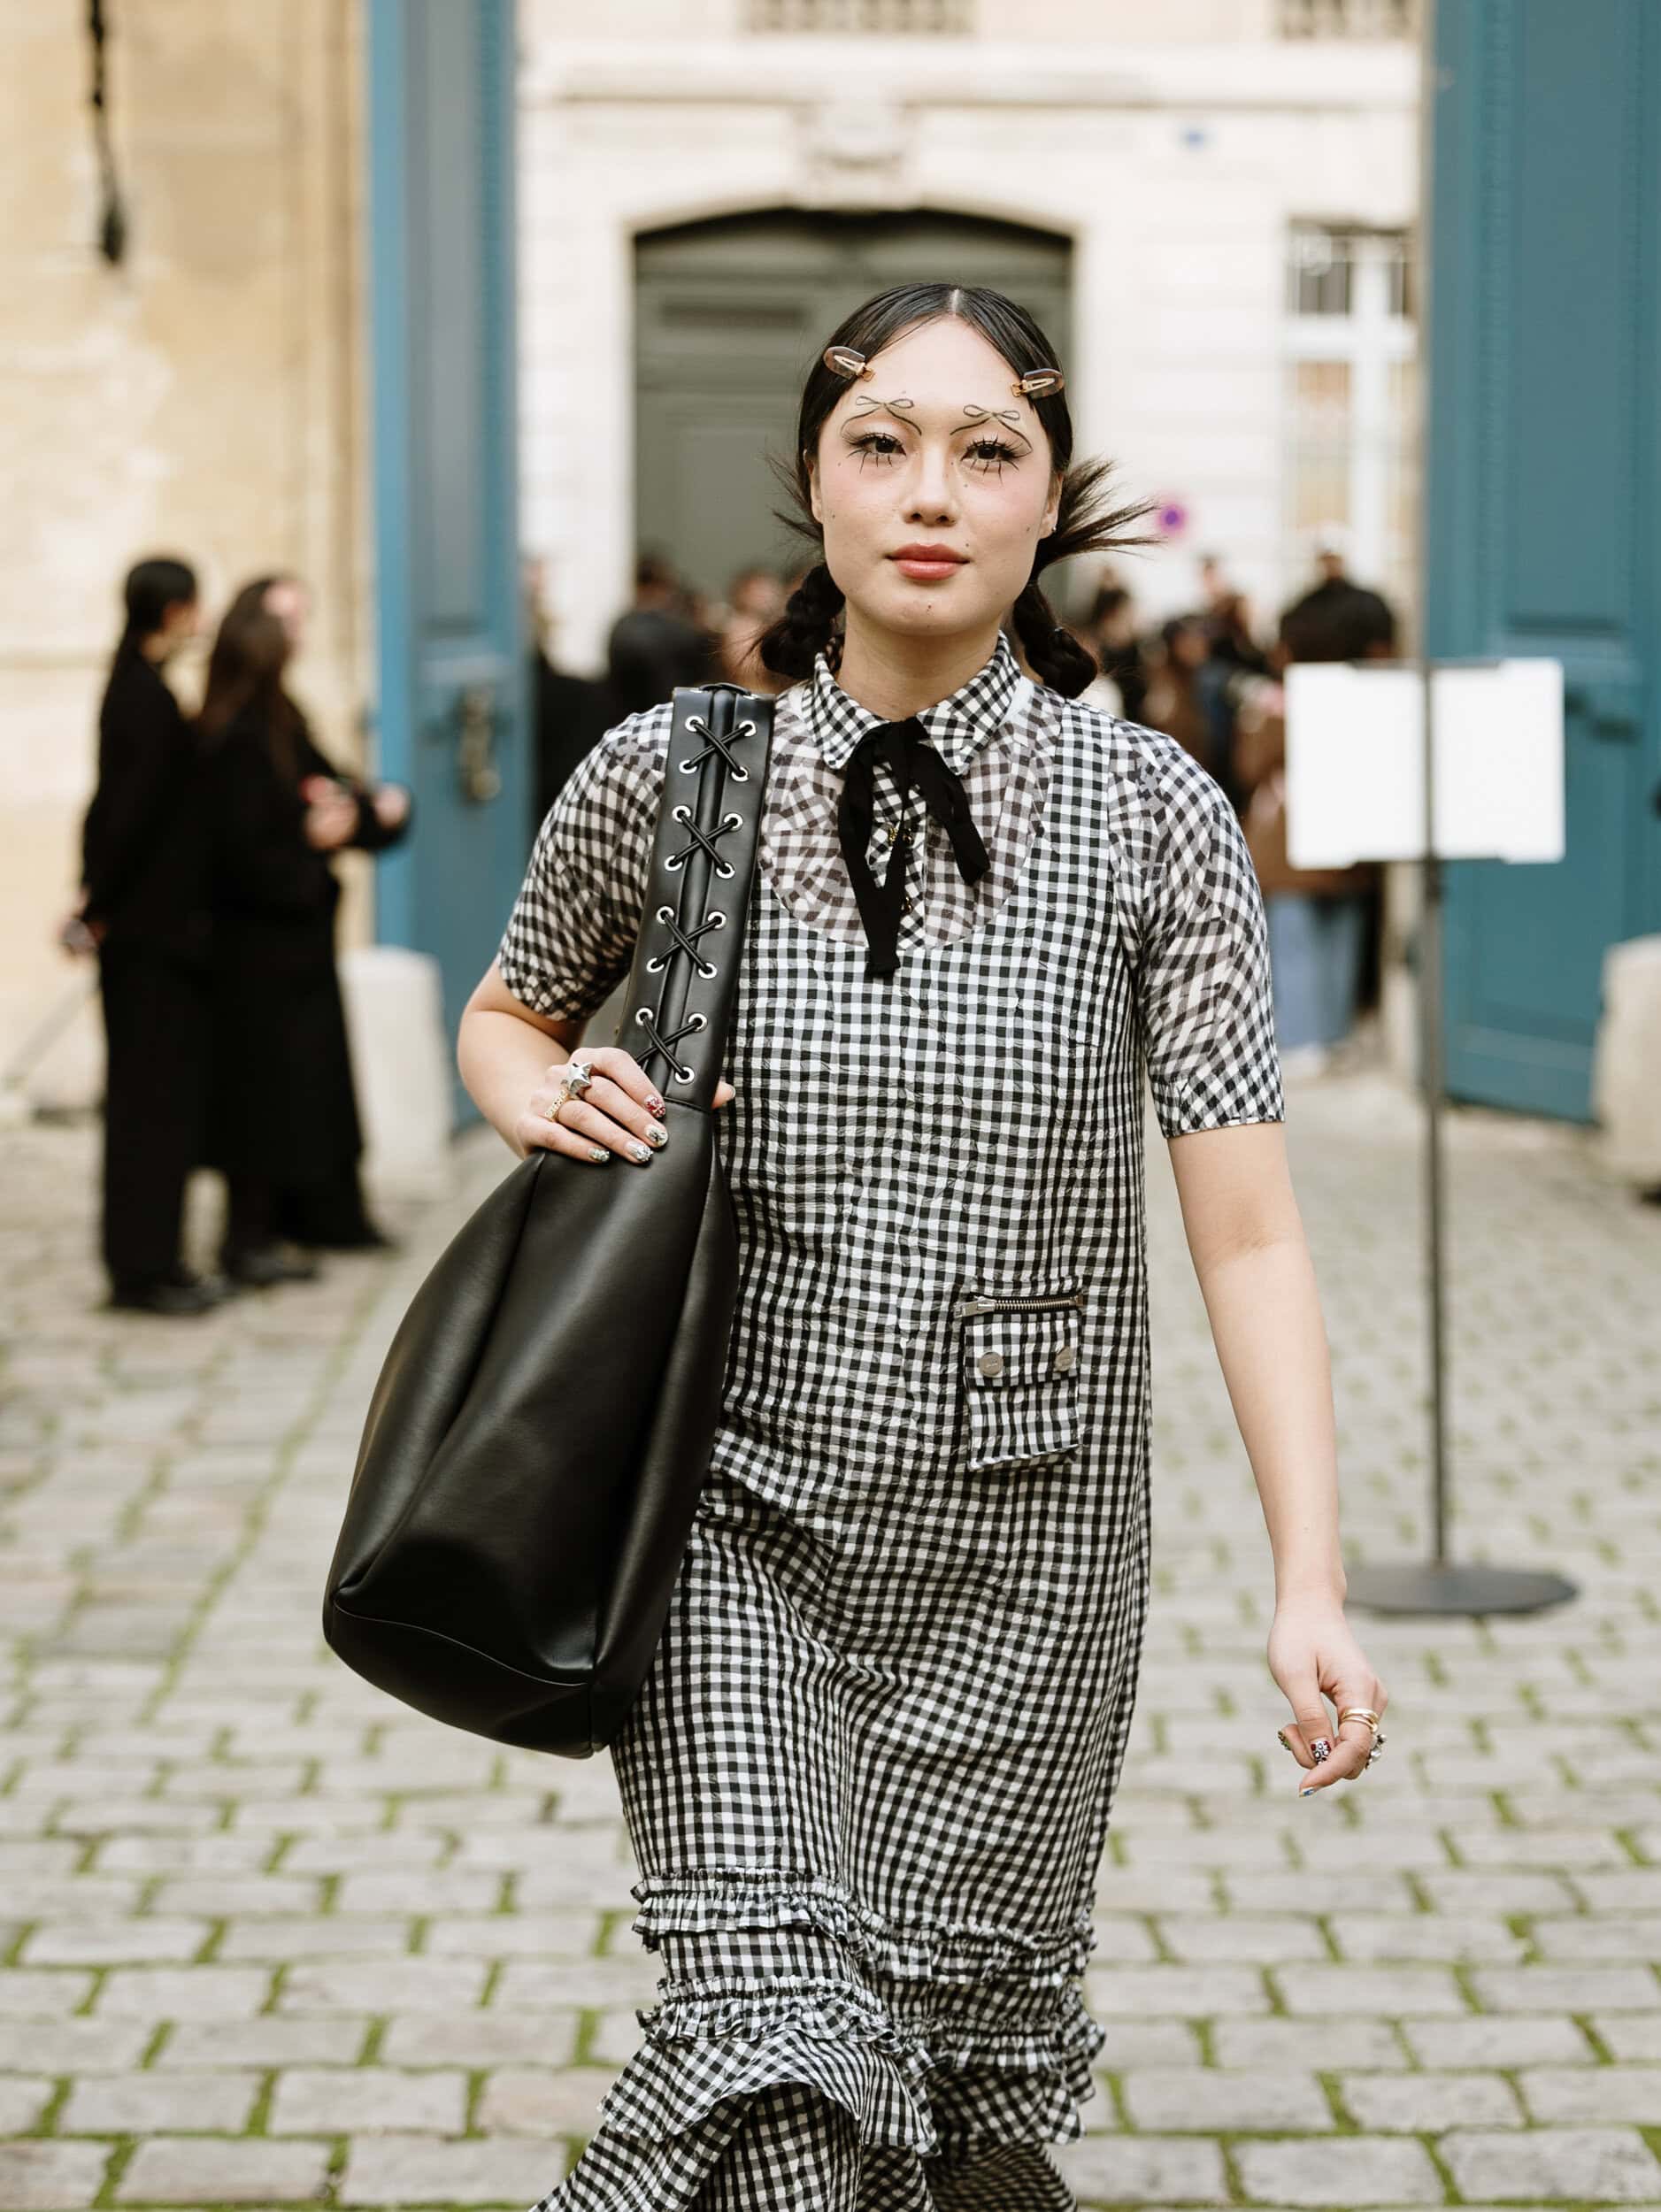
(957, 726)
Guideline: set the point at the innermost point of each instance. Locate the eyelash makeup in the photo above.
(988, 456)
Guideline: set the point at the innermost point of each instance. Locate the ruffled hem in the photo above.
(709, 2045)
(713, 1901)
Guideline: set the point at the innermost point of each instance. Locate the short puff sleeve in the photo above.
(571, 937)
(1206, 1006)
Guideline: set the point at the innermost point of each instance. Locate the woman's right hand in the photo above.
(620, 1115)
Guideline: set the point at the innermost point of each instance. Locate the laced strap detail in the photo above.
(704, 838)
(715, 743)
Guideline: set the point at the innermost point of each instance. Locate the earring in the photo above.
(1039, 384)
(843, 361)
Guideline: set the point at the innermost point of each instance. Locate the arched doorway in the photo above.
(728, 313)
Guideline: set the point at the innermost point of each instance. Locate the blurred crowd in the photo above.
(208, 898)
(1210, 677)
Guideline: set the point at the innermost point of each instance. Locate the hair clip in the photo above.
(843, 361)
(1039, 384)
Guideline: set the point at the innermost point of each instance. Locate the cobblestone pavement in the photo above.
(265, 1938)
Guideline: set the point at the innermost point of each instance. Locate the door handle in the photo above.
(1608, 709)
(476, 771)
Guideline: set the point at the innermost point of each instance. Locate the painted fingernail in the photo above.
(657, 1136)
(1320, 1749)
(1310, 1792)
(598, 1152)
(654, 1105)
(1281, 1737)
(641, 1152)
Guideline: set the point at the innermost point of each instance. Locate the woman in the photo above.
(284, 1125)
(145, 904)
(868, 1778)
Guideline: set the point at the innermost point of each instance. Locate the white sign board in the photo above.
(1355, 762)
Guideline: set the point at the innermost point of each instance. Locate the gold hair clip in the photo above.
(1038, 384)
(843, 361)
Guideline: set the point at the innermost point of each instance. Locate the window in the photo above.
(1347, 19)
(1350, 447)
(905, 18)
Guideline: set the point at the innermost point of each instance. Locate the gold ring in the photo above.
(1360, 1712)
(553, 1112)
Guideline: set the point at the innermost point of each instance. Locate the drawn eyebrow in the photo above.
(900, 407)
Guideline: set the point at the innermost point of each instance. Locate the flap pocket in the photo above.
(1019, 1378)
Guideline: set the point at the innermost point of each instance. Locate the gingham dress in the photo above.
(869, 1778)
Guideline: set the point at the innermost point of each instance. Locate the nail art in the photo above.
(658, 1136)
(1320, 1749)
(641, 1152)
(1310, 1792)
(598, 1152)
(654, 1105)
(1281, 1737)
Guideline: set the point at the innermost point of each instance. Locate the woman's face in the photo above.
(932, 485)
(290, 602)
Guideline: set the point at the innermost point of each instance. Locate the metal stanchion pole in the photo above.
(1437, 1585)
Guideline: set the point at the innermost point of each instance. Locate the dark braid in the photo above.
(1056, 656)
(806, 627)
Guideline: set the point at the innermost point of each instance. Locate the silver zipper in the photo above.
(968, 1308)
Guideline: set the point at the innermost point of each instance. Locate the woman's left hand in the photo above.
(1312, 1651)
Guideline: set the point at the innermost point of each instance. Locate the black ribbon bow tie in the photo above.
(913, 763)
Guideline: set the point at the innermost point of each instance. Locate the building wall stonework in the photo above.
(1175, 166)
(202, 396)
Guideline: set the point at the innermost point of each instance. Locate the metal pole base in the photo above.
(1429, 1588)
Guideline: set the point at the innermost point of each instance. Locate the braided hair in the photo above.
(1089, 520)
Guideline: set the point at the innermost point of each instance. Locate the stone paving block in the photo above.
(1260, 1939)
(1192, 1992)
(236, 1896)
(68, 2046)
(181, 1855)
(1593, 2093)
(452, 1889)
(266, 2042)
(1347, 2170)
(215, 2170)
(94, 1942)
(594, 1983)
(1211, 2099)
(1421, 2104)
(1630, 2035)
(446, 1986)
(23, 2098)
(1388, 1938)
(354, 1855)
(1497, 2040)
(1628, 1935)
(51, 2177)
(1144, 2169)
(325, 1936)
(183, 1993)
(528, 1935)
(1389, 1990)
(415, 2170)
(41, 1992)
(1577, 2166)
(542, 2101)
(368, 2099)
(154, 2103)
(1567, 1988)
(1129, 2043)
(127, 1816)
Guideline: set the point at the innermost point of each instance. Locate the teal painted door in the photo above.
(452, 668)
(1545, 492)
(728, 316)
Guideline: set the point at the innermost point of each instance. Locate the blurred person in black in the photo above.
(1176, 701)
(1110, 633)
(1337, 603)
(144, 905)
(283, 1112)
(654, 645)
(569, 714)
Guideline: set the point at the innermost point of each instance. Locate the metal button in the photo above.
(1067, 1360)
(991, 1362)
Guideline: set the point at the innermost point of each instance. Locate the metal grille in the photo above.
(1347, 19)
(905, 18)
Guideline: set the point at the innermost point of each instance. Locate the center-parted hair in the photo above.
(1089, 521)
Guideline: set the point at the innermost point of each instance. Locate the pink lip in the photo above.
(927, 562)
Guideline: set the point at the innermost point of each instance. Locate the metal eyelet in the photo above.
(656, 967)
(683, 814)
(706, 969)
(684, 1075)
(644, 1014)
(745, 729)
(740, 775)
(688, 768)
(700, 1021)
(665, 913)
(732, 821)
(715, 919)
(697, 726)
(723, 868)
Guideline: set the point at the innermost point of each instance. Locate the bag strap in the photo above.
(683, 984)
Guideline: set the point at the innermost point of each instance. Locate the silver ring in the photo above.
(579, 1077)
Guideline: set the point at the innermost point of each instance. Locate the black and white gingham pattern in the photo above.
(869, 1777)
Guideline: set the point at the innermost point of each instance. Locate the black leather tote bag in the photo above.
(535, 1445)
